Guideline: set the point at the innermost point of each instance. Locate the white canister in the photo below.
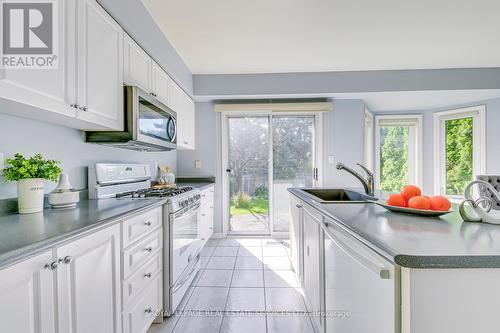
(30, 195)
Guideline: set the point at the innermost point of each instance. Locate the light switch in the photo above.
(331, 159)
(197, 164)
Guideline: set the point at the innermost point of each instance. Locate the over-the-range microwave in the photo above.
(149, 124)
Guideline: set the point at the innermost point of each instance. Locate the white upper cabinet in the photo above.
(100, 67)
(88, 283)
(136, 65)
(49, 89)
(161, 83)
(27, 302)
(183, 105)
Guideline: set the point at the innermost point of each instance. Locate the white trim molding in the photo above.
(415, 155)
(274, 107)
(478, 114)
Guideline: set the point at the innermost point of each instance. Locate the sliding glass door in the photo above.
(248, 169)
(266, 155)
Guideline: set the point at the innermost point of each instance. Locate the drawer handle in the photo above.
(53, 265)
(148, 249)
(149, 310)
(298, 206)
(307, 249)
(66, 260)
(148, 223)
(147, 275)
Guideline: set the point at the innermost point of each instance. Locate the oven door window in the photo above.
(185, 228)
(156, 123)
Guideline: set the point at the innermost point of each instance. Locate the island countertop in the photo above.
(24, 235)
(414, 241)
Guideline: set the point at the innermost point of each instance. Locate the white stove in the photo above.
(182, 242)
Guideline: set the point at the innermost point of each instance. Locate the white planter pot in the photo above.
(30, 195)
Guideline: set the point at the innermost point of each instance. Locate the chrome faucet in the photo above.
(368, 182)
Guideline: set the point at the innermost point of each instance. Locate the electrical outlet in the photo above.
(197, 164)
(331, 159)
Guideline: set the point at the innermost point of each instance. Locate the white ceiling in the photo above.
(395, 101)
(270, 36)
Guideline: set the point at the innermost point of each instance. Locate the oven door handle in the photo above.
(194, 212)
(183, 280)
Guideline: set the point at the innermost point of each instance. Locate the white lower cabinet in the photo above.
(142, 258)
(206, 225)
(27, 297)
(312, 279)
(140, 314)
(88, 283)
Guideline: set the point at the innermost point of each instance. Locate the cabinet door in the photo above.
(27, 296)
(50, 91)
(89, 285)
(100, 68)
(181, 103)
(161, 83)
(313, 263)
(136, 65)
(296, 236)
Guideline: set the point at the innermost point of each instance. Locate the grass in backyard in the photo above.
(257, 206)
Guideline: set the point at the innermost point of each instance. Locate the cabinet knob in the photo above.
(147, 275)
(203, 215)
(298, 206)
(211, 228)
(83, 108)
(66, 260)
(148, 223)
(185, 142)
(203, 238)
(53, 265)
(148, 249)
(74, 105)
(149, 310)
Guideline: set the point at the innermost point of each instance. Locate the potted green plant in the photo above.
(30, 173)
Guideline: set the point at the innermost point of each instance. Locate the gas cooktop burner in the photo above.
(149, 192)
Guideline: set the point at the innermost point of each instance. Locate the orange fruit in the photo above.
(396, 200)
(410, 191)
(440, 203)
(419, 202)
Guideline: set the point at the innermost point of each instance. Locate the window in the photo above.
(459, 153)
(398, 151)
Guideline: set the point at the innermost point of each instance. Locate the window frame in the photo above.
(478, 115)
(369, 144)
(415, 161)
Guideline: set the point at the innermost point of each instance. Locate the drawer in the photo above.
(139, 316)
(140, 279)
(140, 225)
(139, 253)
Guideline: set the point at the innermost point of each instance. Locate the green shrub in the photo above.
(19, 168)
(261, 192)
(241, 200)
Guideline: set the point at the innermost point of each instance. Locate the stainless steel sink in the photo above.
(336, 195)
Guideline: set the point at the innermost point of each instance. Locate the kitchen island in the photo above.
(394, 272)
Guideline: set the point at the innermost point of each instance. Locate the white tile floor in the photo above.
(245, 285)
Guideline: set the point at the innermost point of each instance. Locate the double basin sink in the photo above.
(336, 195)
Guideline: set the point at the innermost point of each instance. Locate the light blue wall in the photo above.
(343, 138)
(135, 19)
(65, 144)
(492, 138)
